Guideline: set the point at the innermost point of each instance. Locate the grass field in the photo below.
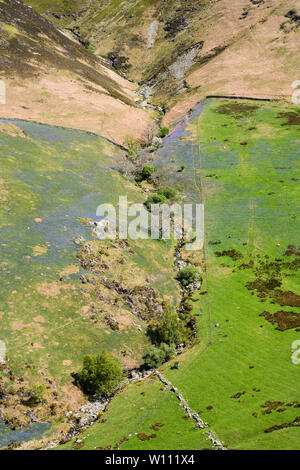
(248, 165)
(241, 162)
(142, 410)
(49, 320)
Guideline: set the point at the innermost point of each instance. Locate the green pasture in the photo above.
(243, 164)
(49, 179)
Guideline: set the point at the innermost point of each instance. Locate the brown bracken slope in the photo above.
(53, 79)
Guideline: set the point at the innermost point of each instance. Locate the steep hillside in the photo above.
(51, 78)
(185, 50)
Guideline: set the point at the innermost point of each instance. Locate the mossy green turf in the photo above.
(238, 350)
(253, 200)
(56, 176)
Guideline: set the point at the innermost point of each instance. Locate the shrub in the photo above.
(188, 275)
(145, 173)
(157, 356)
(155, 199)
(100, 374)
(132, 143)
(156, 143)
(91, 48)
(169, 329)
(163, 132)
(36, 396)
(168, 192)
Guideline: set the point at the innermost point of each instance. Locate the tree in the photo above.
(145, 173)
(188, 275)
(163, 132)
(100, 374)
(155, 199)
(155, 357)
(169, 329)
(168, 192)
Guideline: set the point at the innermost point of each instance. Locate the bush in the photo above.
(91, 48)
(132, 144)
(188, 275)
(170, 329)
(156, 143)
(36, 396)
(155, 199)
(168, 192)
(146, 172)
(163, 132)
(157, 356)
(100, 374)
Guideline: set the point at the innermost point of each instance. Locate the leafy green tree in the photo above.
(169, 329)
(168, 192)
(163, 132)
(100, 374)
(188, 275)
(155, 199)
(155, 357)
(145, 173)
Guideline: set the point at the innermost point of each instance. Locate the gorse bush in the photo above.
(145, 173)
(100, 374)
(161, 197)
(169, 329)
(36, 396)
(168, 192)
(188, 275)
(156, 356)
(155, 199)
(163, 132)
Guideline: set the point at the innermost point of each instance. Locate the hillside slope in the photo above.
(51, 78)
(185, 50)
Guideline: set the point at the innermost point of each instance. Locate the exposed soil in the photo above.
(233, 254)
(277, 427)
(269, 406)
(284, 320)
(292, 118)
(292, 250)
(237, 110)
(238, 395)
(287, 298)
(145, 437)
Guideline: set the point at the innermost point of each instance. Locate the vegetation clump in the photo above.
(156, 356)
(169, 192)
(233, 254)
(162, 196)
(36, 396)
(163, 132)
(169, 329)
(100, 374)
(188, 275)
(145, 173)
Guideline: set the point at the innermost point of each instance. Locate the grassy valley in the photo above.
(162, 102)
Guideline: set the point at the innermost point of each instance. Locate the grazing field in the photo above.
(241, 376)
(242, 161)
(146, 415)
(52, 180)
